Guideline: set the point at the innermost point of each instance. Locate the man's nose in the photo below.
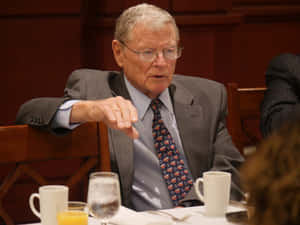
(160, 58)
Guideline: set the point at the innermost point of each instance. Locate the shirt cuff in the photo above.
(62, 116)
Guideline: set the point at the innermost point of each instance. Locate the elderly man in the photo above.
(165, 130)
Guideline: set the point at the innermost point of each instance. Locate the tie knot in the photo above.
(155, 105)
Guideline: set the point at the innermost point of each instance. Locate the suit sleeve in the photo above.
(39, 112)
(281, 100)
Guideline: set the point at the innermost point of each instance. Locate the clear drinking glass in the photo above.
(104, 198)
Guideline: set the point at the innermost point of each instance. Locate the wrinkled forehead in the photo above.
(144, 28)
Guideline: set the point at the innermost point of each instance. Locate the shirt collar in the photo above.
(142, 102)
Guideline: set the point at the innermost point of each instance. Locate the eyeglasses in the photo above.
(150, 55)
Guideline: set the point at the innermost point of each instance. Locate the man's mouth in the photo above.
(158, 76)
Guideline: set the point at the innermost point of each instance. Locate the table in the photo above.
(195, 216)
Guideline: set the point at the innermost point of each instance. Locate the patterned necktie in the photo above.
(172, 165)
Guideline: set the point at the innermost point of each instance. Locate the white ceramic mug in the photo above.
(216, 192)
(51, 199)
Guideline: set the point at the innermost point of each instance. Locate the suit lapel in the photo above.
(189, 114)
(118, 86)
(121, 144)
(123, 149)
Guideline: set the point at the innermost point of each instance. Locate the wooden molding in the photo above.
(36, 7)
(183, 20)
(201, 6)
(209, 19)
(288, 12)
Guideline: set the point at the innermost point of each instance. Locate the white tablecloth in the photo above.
(196, 216)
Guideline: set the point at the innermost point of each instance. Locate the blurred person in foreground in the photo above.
(281, 102)
(165, 130)
(271, 176)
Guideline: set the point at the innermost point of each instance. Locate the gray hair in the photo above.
(151, 15)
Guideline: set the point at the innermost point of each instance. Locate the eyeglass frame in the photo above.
(142, 56)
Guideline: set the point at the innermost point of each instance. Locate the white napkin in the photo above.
(127, 216)
(196, 215)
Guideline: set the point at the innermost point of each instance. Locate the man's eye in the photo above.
(148, 52)
(170, 50)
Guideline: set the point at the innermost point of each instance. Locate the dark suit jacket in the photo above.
(200, 107)
(282, 98)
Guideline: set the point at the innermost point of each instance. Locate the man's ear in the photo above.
(118, 52)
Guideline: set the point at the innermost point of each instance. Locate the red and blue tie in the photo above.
(172, 165)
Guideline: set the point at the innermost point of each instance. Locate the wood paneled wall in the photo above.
(40, 46)
(224, 40)
(41, 42)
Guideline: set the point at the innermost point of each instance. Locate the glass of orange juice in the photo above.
(77, 213)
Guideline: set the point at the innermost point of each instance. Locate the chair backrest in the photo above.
(244, 115)
(30, 158)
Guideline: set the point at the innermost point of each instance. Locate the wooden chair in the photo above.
(244, 115)
(30, 158)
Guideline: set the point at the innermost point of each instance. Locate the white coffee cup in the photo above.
(52, 198)
(216, 192)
